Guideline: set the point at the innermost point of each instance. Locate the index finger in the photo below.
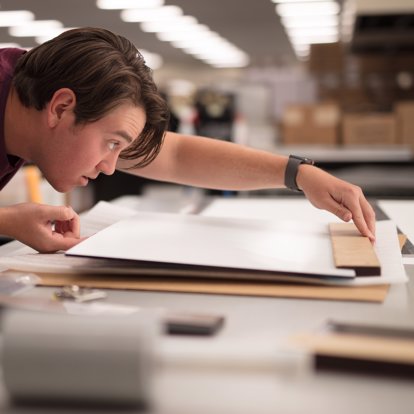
(359, 211)
(369, 215)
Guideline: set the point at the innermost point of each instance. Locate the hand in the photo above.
(42, 227)
(343, 199)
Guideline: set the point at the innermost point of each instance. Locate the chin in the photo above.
(61, 187)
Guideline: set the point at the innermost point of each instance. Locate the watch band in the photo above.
(292, 170)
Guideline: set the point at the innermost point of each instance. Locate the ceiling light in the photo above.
(128, 4)
(315, 21)
(185, 33)
(295, 1)
(152, 60)
(313, 39)
(199, 40)
(52, 34)
(35, 28)
(147, 15)
(8, 45)
(308, 9)
(15, 17)
(180, 23)
(313, 31)
(198, 31)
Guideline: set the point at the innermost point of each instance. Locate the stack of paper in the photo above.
(197, 247)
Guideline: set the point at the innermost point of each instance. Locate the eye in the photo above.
(113, 145)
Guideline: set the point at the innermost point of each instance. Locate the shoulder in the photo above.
(8, 60)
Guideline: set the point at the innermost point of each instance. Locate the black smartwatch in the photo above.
(292, 170)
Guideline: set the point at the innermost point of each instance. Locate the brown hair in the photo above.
(104, 70)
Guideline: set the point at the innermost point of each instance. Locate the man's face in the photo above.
(79, 153)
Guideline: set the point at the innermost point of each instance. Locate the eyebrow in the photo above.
(124, 135)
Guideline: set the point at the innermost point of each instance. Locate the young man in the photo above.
(84, 103)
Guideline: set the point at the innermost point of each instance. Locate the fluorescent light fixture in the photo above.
(185, 33)
(301, 49)
(7, 45)
(315, 21)
(314, 39)
(128, 4)
(199, 31)
(180, 23)
(153, 60)
(35, 28)
(225, 57)
(308, 9)
(229, 65)
(305, 51)
(15, 17)
(147, 15)
(295, 1)
(201, 40)
(52, 34)
(313, 31)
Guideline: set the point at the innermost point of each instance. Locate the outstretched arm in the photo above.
(215, 164)
(42, 227)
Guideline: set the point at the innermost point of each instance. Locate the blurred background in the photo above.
(332, 80)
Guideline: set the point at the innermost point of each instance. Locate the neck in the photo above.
(20, 126)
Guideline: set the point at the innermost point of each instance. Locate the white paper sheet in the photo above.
(283, 246)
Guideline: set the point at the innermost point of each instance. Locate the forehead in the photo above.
(125, 121)
(127, 113)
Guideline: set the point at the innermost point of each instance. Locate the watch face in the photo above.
(304, 160)
(308, 161)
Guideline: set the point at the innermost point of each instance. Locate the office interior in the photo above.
(332, 80)
(340, 93)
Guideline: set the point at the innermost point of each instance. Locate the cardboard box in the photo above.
(326, 58)
(374, 63)
(369, 129)
(357, 100)
(404, 112)
(311, 124)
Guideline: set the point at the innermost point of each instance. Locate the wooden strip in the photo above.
(351, 250)
(376, 293)
(359, 347)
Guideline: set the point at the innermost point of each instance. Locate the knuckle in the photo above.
(354, 191)
(64, 212)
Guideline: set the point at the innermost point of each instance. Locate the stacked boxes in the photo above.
(368, 129)
(311, 124)
(325, 124)
(404, 112)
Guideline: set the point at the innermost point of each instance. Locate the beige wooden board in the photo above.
(395, 350)
(353, 251)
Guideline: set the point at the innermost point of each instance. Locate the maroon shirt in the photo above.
(9, 164)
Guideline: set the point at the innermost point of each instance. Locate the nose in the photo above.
(108, 165)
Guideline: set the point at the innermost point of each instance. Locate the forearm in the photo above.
(215, 164)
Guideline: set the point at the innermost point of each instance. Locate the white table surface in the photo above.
(259, 325)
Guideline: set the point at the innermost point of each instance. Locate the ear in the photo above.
(62, 104)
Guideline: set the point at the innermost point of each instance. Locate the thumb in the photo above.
(60, 213)
(65, 242)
